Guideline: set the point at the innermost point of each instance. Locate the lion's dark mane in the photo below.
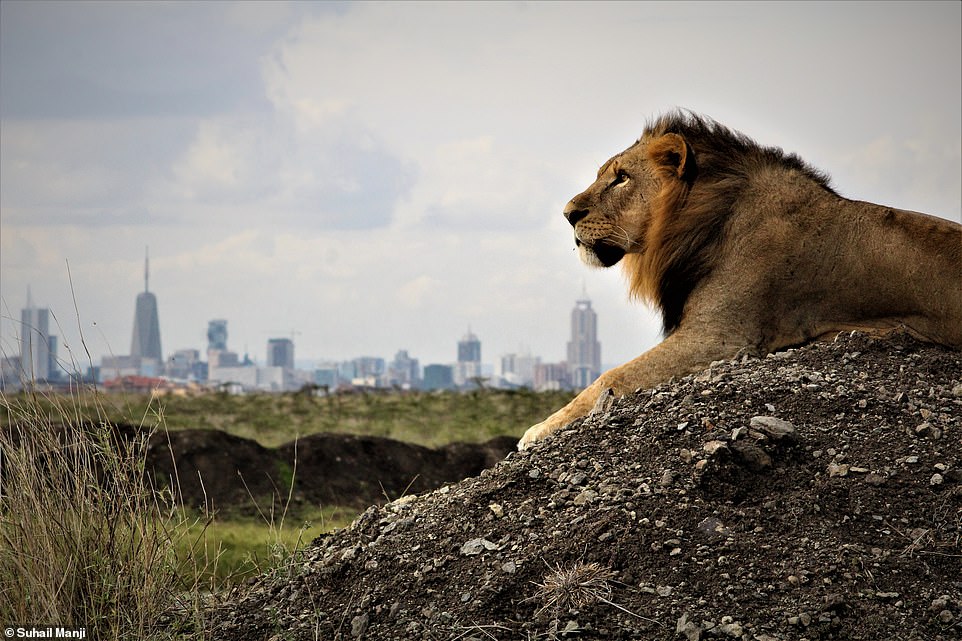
(691, 223)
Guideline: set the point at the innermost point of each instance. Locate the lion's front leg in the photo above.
(578, 407)
(682, 353)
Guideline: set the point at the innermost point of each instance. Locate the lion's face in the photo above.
(611, 217)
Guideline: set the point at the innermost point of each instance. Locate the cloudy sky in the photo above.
(368, 177)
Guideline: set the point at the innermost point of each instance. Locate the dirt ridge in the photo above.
(214, 469)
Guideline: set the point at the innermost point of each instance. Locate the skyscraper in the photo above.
(469, 348)
(280, 353)
(35, 355)
(469, 359)
(217, 334)
(217, 353)
(584, 350)
(146, 338)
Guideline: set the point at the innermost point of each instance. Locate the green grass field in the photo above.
(425, 418)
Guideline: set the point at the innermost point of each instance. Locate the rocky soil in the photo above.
(812, 494)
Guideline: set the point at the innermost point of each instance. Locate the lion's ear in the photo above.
(673, 152)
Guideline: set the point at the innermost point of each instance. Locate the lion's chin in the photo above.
(600, 255)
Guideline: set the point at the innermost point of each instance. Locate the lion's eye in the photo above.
(621, 177)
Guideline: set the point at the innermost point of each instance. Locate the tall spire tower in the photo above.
(146, 339)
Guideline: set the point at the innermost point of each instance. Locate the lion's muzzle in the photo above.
(574, 215)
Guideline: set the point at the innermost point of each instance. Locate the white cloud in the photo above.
(382, 175)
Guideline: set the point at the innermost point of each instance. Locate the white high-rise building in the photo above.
(584, 350)
(468, 366)
(35, 353)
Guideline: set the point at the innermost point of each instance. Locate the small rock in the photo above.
(690, 630)
(754, 458)
(774, 428)
(402, 502)
(713, 446)
(359, 625)
(605, 400)
(586, 496)
(936, 479)
(712, 525)
(837, 470)
(666, 478)
(496, 509)
(477, 546)
(945, 616)
(734, 630)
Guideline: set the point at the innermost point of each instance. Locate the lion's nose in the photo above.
(573, 214)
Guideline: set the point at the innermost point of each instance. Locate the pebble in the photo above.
(837, 470)
(586, 496)
(477, 546)
(772, 427)
(359, 625)
(713, 446)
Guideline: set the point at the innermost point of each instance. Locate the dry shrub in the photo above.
(84, 539)
(573, 588)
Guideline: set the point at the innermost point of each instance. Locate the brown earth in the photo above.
(812, 494)
(217, 470)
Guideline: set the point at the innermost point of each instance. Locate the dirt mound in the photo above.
(213, 468)
(339, 469)
(813, 494)
(219, 470)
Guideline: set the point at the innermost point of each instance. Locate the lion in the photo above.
(745, 249)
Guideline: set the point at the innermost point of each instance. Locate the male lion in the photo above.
(746, 249)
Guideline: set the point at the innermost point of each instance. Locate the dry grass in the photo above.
(84, 539)
(573, 588)
(576, 587)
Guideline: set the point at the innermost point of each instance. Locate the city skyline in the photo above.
(281, 372)
(369, 177)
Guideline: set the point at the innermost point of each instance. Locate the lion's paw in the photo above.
(535, 433)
